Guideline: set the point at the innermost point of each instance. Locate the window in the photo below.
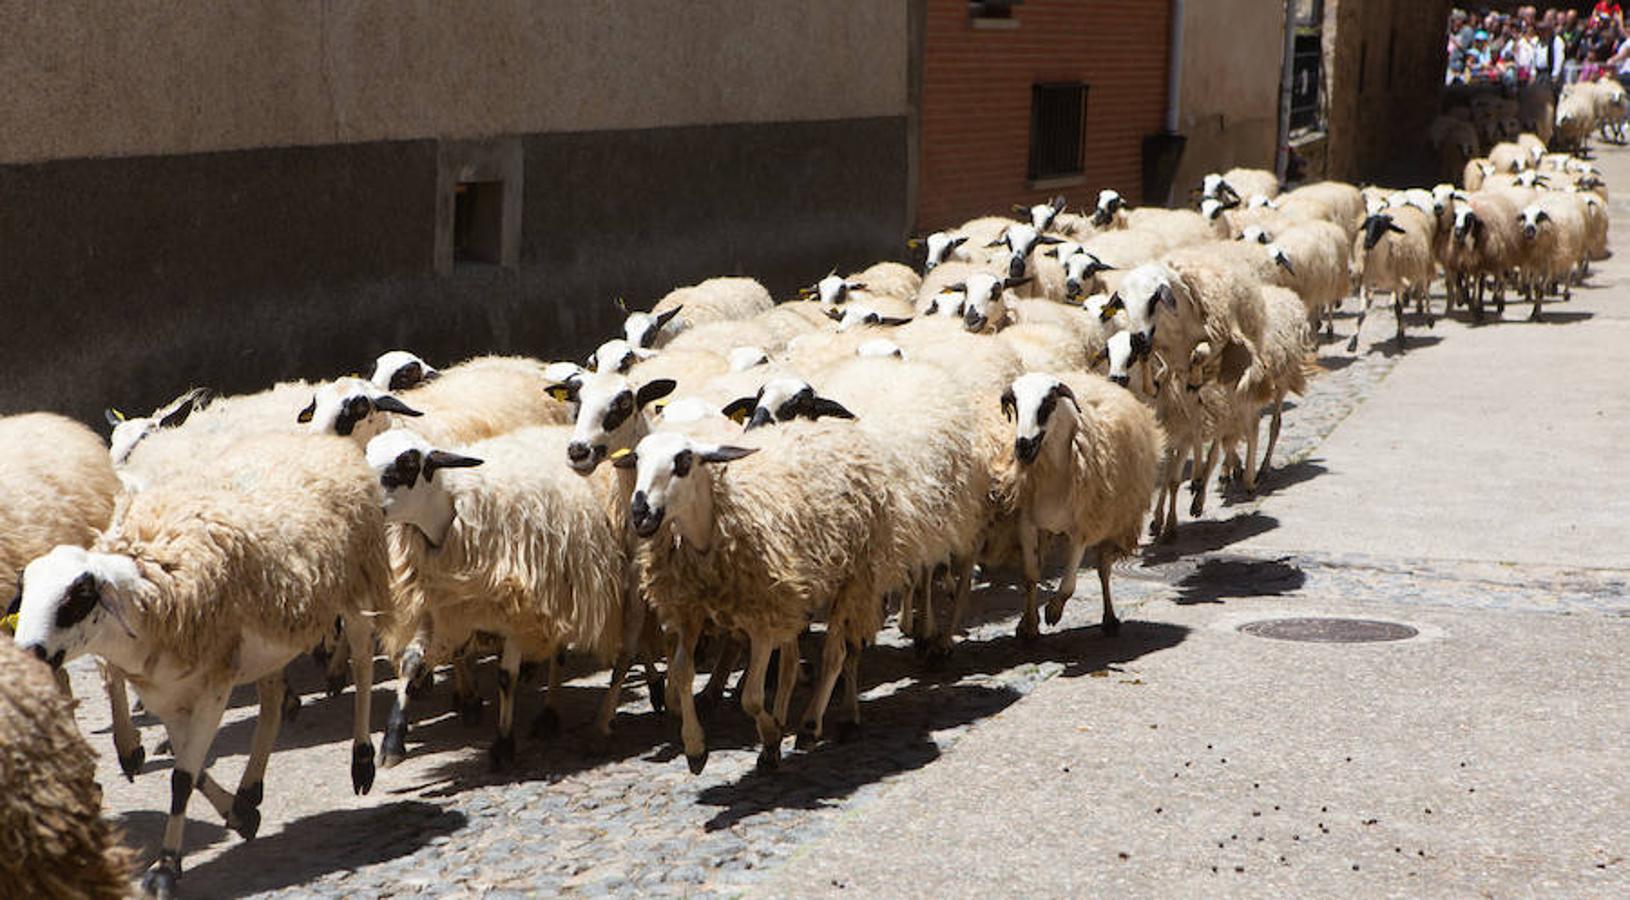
(1058, 124)
(478, 222)
(992, 9)
(1307, 69)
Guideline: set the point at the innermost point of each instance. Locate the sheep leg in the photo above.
(1399, 298)
(1202, 479)
(653, 646)
(724, 663)
(466, 693)
(502, 751)
(1106, 558)
(614, 692)
(929, 626)
(786, 680)
(360, 634)
(832, 656)
(851, 694)
(334, 664)
(393, 744)
(1273, 435)
(191, 732)
(1366, 297)
(547, 723)
(126, 739)
(752, 703)
(1030, 623)
(681, 681)
(907, 623)
(1066, 584)
(959, 606)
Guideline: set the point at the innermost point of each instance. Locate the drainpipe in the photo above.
(1174, 70)
(1287, 78)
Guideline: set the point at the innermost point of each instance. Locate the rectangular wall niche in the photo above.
(478, 204)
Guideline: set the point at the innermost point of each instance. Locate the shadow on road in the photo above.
(1207, 535)
(1220, 578)
(303, 850)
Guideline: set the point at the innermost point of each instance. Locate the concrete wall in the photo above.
(975, 121)
(1232, 58)
(234, 194)
(126, 77)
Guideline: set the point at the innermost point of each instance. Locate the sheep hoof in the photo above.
(245, 821)
(1111, 626)
(1431, 322)
(1352, 344)
(393, 746)
(527, 674)
(159, 882)
(939, 653)
(1055, 610)
(1197, 506)
(806, 739)
(336, 685)
(547, 724)
(131, 762)
(163, 747)
(362, 767)
(848, 732)
(502, 752)
(657, 688)
(769, 759)
(697, 762)
(418, 687)
(1029, 630)
(291, 706)
(469, 710)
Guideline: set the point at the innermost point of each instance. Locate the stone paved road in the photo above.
(627, 818)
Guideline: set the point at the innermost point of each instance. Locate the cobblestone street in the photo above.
(627, 817)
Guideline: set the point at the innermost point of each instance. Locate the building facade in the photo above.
(232, 194)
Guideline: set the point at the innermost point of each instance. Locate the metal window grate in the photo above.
(1307, 74)
(1058, 124)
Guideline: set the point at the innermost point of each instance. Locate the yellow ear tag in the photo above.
(9, 623)
(914, 243)
(658, 405)
(618, 454)
(559, 393)
(739, 416)
(118, 414)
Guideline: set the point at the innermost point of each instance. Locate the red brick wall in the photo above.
(976, 100)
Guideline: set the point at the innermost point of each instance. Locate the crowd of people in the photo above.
(1555, 47)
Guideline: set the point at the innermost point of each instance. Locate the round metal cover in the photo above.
(1330, 631)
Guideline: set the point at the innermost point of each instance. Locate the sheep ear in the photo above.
(727, 453)
(1283, 261)
(1020, 208)
(176, 416)
(1116, 304)
(441, 459)
(959, 240)
(834, 314)
(890, 321)
(666, 317)
(1100, 358)
(1063, 390)
(1017, 282)
(1393, 227)
(820, 406)
(855, 285)
(1058, 204)
(1010, 405)
(1049, 239)
(959, 287)
(390, 404)
(306, 414)
(623, 307)
(113, 416)
(1053, 253)
(913, 243)
(565, 392)
(740, 408)
(654, 389)
(1166, 296)
(623, 458)
(592, 361)
(999, 242)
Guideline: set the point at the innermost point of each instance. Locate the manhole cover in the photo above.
(1330, 631)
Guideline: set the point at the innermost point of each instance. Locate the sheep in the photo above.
(859, 315)
(1083, 327)
(1044, 348)
(1536, 110)
(787, 321)
(1081, 271)
(57, 843)
(1396, 257)
(1238, 185)
(399, 370)
(949, 277)
(203, 584)
(1196, 297)
(1553, 247)
(982, 231)
(1328, 201)
(1087, 453)
(1476, 170)
(1534, 146)
(688, 368)
(758, 547)
(1455, 141)
(720, 338)
(1315, 260)
(1596, 226)
(1612, 105)
(1575, 117)
(516, 546)
(941, 247)
(128, 432)
(1485, 246)
(1021, 241)
(616, 355)
(1043, 215)
(1110, 211)
(713, 300)
(889, 279)
(1126, 250)
(1178, 227)
(1508, 158)
(986, 298)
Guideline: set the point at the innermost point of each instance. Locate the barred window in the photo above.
(1058, 125)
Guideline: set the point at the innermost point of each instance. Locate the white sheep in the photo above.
(514, 545)
(942, 247)
(1554, 245)
(1395, 253)
(713, 300)
(1485, 247)
(1315, 261)
(617, 355)
(1177, 227)
(201, 586)
(758, 547)
(1238, 185)
(1508, 158)
(399, 370)
(57, 843)
(1087, 453)
(1576, 117)
(128, 432)
(1043, 215)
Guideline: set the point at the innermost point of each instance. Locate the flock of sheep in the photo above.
(729, 468)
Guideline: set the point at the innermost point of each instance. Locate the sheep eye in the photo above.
(82, 597)
(682, 463)
(404, 472)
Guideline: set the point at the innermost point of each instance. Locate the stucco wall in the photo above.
(1384, 62)
(91, 78)
(1232, 59)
